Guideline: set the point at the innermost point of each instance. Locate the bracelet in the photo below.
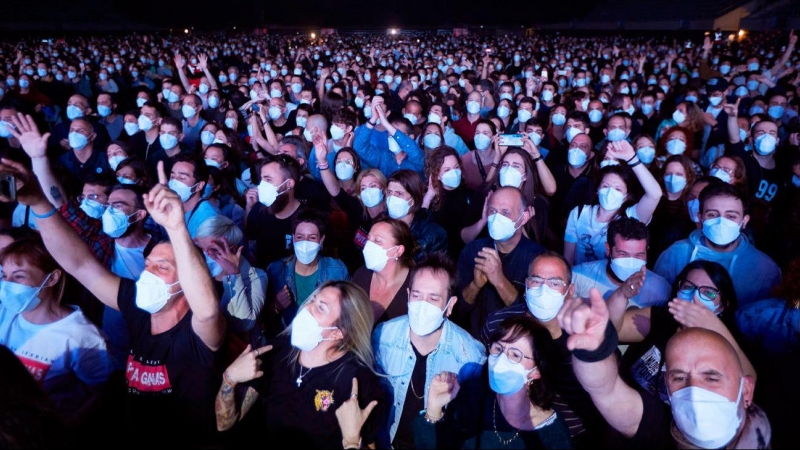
(606, 348)
(494, 164)
(346, 444)
(430, 419)
(632, 157)
(45, 215)
(325, 167)
(227, 380)
(537, 159)
(630, 166)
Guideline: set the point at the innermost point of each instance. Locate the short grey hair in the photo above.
(220, 226)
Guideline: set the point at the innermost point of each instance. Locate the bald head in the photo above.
(317, 121)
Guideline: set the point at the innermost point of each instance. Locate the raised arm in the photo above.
(61, 241)
(321, 153)
(35, 145)
(545, 176)
(471, 232)
(180, 63)
(779, 64)
(202, 60)
(593, 338)
(732, 110)
(258, 129)
(245, 368)
(166, 208)
(622, 150)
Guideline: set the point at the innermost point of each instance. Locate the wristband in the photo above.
(494, 164)
(632, 158)
(537, 159)
(325, 167)
(226, 380)
(45, 215)
(606, 348)
(346, 444)
(634, 164)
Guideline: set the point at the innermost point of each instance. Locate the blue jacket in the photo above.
(372, 147)
(281, 273)
(754, 274)
(456, 352)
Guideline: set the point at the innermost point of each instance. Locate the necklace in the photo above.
(413, 391)
(299, 379)
(494, 422)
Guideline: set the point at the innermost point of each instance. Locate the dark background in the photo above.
(303, 13)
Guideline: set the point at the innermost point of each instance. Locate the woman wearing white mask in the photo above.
(207, 135)
(478, 163)
(556, 131)
(388, 258)
(431, 138)
(703, 296)
(645, 147)
(506, 109)
(404, 200)
(64, 352)
(446, 197)
(618, 193)
(731, 170)
(117, 151)
(133, 171)
(514, 406)
(678, 140)
(292, 279)
(308, 372)
(671, 220)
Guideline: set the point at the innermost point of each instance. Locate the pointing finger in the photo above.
(162, 176)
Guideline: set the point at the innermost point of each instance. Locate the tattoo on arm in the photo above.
(55, 192)
(225, 407)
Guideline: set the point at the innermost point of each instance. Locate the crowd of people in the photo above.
(387, 241)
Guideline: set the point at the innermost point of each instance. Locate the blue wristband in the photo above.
(44, 216)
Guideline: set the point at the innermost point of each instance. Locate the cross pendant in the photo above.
(299, 381)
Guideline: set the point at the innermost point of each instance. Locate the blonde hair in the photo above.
(355, 322)
(365, 173)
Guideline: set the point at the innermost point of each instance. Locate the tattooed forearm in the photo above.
(225, 406)
(55, 192)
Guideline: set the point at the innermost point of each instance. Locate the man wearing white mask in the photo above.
(439, 113)
(111, 120)
(146, 141)
(465, 126)
(188, 178)
(176, 328)
(411, 349)
(169, 139)
(83, 159)
(705, 411)
(490, 269)
(764, 176)
(193, 123)
(292, 279)
(723, 217)
(271, 207)
(626, 248)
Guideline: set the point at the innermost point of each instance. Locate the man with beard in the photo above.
(271, 207)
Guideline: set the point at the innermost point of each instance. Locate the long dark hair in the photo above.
(433, 165)
(540, 391)
(635, 190)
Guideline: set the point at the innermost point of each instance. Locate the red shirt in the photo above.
(466, 130)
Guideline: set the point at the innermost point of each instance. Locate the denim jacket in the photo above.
(281, 273)
(456, 352)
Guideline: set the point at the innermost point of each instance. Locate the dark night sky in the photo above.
(334, 13)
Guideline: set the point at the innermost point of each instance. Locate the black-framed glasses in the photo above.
(553, 283)
(706, 293)
(514, 354)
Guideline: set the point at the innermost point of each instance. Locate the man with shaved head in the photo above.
(711, 400)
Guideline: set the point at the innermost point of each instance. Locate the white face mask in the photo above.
(501, 228)
(19, 298)
(375, 257)
(544, 302)
(306, 332)
(152, 293)
(371, 197)
(505, 377)
(183, 191)
(510, 176)
(706, 419)
(397, 207)
(572, 132)
(344, 171)
(646, 154)
(425, 318)
(306, 251)
(451, 178)
(721, 231)
(482, 141)
(610, 198)
(576, 157)
(267, 192)
(624, 268)
(721, 174)
(694, 209)
(336, 133)
(115, 222)
(92, 208)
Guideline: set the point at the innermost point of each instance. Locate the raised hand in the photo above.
(221, 252)
(621, 150)
(247, 366)
(488, 261)
(163, 204)
(202, 61)
(693, 314)
(443, 389)
(351, 417)
(251, 198)
(27, 186)
(283, 299)
(30, 138)
(586, 324)
(180, 63)
(732, 109)
(631, 287)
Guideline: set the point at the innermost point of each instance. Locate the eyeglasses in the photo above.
(724, 169)
(706, 293)
(99, 199)
(553, 283)
(514, 354)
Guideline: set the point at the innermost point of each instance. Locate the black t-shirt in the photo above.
(313, 194)
(273, 236)
(305, 416)
(642, 363)
(285, 128)
(172, 377)
(654, 429)
(404, 438)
